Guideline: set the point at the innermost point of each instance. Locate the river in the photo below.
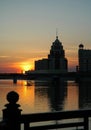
(46, 96)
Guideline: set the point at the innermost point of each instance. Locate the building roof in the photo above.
(57, 42)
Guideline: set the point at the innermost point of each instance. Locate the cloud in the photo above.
(4, 56)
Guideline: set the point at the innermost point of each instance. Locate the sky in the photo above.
(28, 29)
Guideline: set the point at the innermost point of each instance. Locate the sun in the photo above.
(26, 67)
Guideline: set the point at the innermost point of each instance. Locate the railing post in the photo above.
(86, 123)
(12, 114)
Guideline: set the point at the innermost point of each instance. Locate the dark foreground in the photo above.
(12, 118)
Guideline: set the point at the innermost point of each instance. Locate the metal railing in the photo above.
(79, 119)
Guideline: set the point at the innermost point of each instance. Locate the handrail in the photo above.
(59, 115)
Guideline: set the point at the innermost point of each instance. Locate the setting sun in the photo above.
(26, 66)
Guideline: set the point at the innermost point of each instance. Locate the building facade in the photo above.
(84, 57)
(41, 64)
(56, 60)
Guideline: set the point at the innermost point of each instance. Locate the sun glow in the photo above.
(26, 66)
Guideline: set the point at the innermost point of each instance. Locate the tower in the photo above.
(56, 58)
(84, 57)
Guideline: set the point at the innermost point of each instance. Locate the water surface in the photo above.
(47, 96)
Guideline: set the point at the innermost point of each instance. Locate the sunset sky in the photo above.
(28, 28)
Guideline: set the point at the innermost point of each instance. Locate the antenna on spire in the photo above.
(56, 33)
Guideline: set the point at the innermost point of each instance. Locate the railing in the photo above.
(81, 120)
(12, 118)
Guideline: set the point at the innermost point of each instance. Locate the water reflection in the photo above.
(84, 94)
(72, 98)
(57, 92)
(45, 96)
(56, 95)
(41, 96)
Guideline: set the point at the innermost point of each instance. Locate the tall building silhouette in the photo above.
(84, 57)
(56, 60)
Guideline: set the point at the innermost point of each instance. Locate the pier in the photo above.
(35, 75)
(71, 76)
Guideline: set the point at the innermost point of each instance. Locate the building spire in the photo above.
(56, 33)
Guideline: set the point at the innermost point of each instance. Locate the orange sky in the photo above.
(25, 64)
(28, 28)
(23, 60)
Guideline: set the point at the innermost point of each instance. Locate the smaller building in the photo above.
(84, 56)
(41, 64)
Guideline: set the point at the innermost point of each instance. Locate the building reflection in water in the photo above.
(57, 93)
(43, 96)
(84, 94)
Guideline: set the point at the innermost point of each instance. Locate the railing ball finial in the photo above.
(12, 114)
(12, 97)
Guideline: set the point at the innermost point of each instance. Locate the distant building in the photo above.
(56, 60)
(84, 57)
(41, 64)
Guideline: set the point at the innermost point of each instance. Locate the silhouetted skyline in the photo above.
(27, 29)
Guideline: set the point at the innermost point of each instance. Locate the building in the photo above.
(84, 57)
(56, 60)
(41, 64)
